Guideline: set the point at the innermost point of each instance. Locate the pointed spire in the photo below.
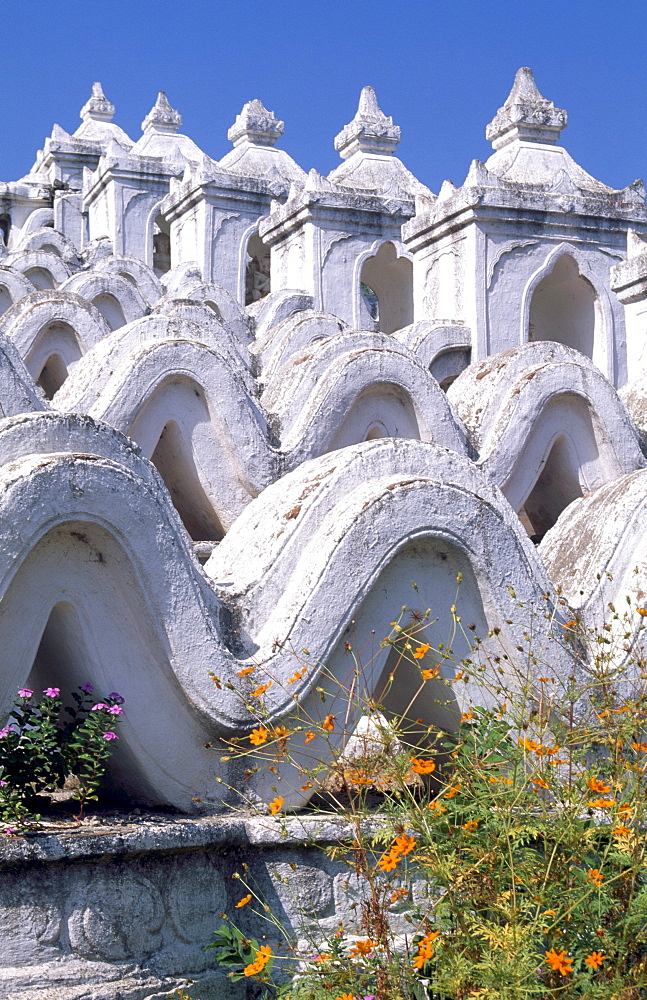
(162, 117)
(370, 130)
(257, 125)
(98, 108)
(526, 115)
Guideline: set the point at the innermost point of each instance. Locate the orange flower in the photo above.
(281, 732)
(345, 996)
(309, 737)
(388, 861)
(559, 962)
(470, 826)
(425, 950)
(602, 803)
(529, 744)
(594, 875)
(420, 766)
(595, 959)
(276, 805)
(598, 785)
(421, 650)
(438, 807)
(297, 676)
(467, 715)
(362, 948)
(261, 689)
(405, 844)
(244, 901)
(625, 810)
(454, 790)
(261, 959)
(430, 672)
(329, 723)
(540, 782)
(642, 747)
(621, 831)
(258, 736)
(459, 675)
(642, 611)
(325, 956)
(245, 671)
(569, 624)
(304, 788)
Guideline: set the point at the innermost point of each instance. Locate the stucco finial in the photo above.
(162, 117)
(257, 125)
(97, 108)
(370, 130)
(526, 115)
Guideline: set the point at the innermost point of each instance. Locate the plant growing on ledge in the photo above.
(523, 827)
(40, 750)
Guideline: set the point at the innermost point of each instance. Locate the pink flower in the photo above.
(2, 783)
(116, 710)
(10, 830)
(52, 692)
(98, 706)
(110, 736)
(3, 732)
(88, 688)
(25, 692)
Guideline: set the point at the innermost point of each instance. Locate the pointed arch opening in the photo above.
(5, 228)
(557, 486)
(52, 375)
(386, 291)
(564, 308)
(174, 461)
(110, 309)
(257, 270)
(5, 299)
(161, 245)
(380, 411)
(40, 278)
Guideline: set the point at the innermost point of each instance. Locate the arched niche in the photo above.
(447, 366)
(110, 309)
(52, 375)
(173, 459)
(557, 486)
(381, 410)
(6, 301)
(40, 278)
(386, 291)
(257, 270)
(564, 308)
(5, 228)
(161, 245)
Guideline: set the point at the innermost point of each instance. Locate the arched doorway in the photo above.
(386, 291)
(52, 375)
(257, 270)
(110, 310)
(564, 307)
(557, 486)
(173, 459)
(161, 246)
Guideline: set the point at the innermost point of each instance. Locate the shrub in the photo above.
(41, 747)
(525, 820)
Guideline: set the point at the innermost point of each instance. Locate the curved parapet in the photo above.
(277, 306)
(222, 302)
(43, 269)
(118, 300)
(354, 387)
(105, 573)
(279, 343)
(444, 350)
(547, 426)
(13, 286)
(50, 241)
(634, 397)
(135, 271)
(212, 329)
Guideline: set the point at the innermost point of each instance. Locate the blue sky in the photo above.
(441, 69)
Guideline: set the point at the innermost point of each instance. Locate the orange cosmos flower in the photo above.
(425, 950)
(595, 959)
(470, 826)
(405, 844)
(297, 676)
(309, 737)
(258, 736)
(421, 650)
(420, 766)
(559, 962)
(245, 671)
(641, 611)
(540, 782)
(261, 959)
(529, 744)
(329, 723)
(276, 805)
(602, 803)
(598, 785)
(621, 831)
(362, 948)
(594, 875)
(281, 732)
(467, 715)
(454, 790)
(388, 861)
(304, 788)
(244, 901)
(640, 747)
(345, 996)
(430, 672)
(261, 689)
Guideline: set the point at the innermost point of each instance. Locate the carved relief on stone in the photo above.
(195, 895)
(117, 916)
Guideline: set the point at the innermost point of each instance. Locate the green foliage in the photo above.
(525, 819)
(42, 746)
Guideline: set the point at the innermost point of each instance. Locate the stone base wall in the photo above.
(125, 912)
